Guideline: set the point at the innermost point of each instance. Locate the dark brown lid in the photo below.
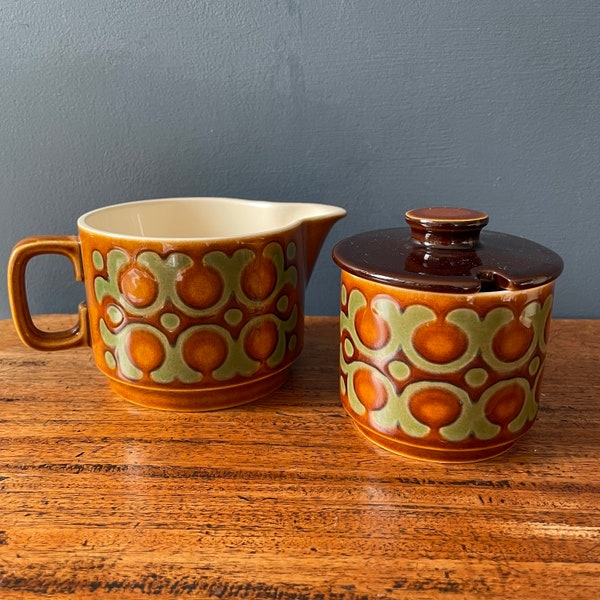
(445, 251)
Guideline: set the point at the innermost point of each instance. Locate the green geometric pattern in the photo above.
(167, 272)
(479, 332)
(174, 368)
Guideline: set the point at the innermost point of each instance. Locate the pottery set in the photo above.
(198, 304)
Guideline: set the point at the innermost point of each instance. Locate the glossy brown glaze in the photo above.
(443, 334)
(191, 303)
(446, 227)
(219, 318)
(442, 377)
(445, 251)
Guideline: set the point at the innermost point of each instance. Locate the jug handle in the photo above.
(30, 334)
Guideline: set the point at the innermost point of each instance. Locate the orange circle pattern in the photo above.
(441, 371)
(198, 318)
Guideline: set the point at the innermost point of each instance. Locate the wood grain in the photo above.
(282, 498)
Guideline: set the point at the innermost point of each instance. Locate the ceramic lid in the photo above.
(445, 250)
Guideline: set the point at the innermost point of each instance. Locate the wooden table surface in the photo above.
(283, 498)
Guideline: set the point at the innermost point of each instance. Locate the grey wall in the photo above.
(375, 106)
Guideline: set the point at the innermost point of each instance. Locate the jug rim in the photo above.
(156, 219)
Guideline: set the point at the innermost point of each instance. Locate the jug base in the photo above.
(199, 400)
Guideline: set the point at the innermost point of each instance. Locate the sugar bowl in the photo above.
(443, 334)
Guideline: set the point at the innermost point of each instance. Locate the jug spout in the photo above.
(316, 225)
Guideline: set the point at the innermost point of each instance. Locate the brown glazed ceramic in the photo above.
(191, 303)
(443, 334)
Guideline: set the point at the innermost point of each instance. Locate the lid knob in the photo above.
(446, 227)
